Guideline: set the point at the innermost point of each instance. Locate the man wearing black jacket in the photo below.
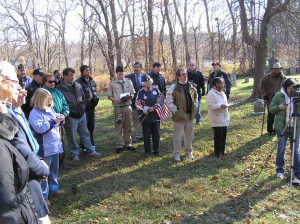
(89, 89)
(196, 77)
(158, 79)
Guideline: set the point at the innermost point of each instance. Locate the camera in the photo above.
(295, 93)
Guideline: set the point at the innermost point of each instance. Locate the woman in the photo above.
(45, 125)
(218, 115)
(16, 201)
(283, 107)
(145, 100)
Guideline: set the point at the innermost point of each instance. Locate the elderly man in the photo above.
(158, 79)
(34, 85)
(136, 79)
(76, 121)
(24, 80)
(269, 86)
(196, 77)
(89, 88)
(122, 109)
(182, 101)
(25, 143)
(218, 73)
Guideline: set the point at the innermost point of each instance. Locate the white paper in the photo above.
(124, 95)
(230, 104)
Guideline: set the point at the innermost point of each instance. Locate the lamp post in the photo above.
(219, 38)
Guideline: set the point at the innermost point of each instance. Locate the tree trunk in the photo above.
(150, 24)
(211, 38)
(115, 31)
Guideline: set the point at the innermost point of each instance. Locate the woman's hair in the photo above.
(40, 99)
(288, 82)
(5, 89)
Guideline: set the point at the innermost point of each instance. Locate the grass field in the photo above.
(126, 188)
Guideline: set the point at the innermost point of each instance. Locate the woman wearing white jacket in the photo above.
(218, 115)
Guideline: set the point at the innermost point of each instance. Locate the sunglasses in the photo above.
(51, 81)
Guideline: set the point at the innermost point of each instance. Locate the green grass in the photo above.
(126, 188)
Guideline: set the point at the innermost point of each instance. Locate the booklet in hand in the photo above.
(124, 97)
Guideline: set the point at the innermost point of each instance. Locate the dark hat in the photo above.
(83, 67)
(38, 71)
(119, 68)
(146, 78)
(216, 63)
(20, 66)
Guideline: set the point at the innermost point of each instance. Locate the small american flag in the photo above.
(161, 109)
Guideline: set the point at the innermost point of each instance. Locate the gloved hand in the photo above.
(266, 98)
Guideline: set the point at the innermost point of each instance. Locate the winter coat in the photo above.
(16, 200)
(46, 131)
(270, 85)
(91, 97)
(280, 115)
(60, 104)
(144, 100)
(25, 81)
(224, 76)
(217, 116)
(136, 89)
(161, 82)
(176, 102)
(197, 78)
(76, 100)
(30, 91)
(37, 169)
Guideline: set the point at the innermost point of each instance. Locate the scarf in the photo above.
(289, 109)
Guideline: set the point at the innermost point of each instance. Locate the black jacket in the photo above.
(76, 100)
(132, 78)
(199, 80)
(16, 201)
(30, 91)
(226, 80)
(91, 99)
(161, 82)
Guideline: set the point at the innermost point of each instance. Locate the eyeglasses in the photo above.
(51, 81)
(13, 81)
(192, 65)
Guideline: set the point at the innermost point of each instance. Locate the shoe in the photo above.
(296, 180)
(75, 158)
(190, 156)
(224, 154)
(177, 158)
(137, 139)
(47, 202)
(198, 123)
(130, 148)
(280, 175)
(94, 153)
(82, 149)
(147, 155)
(119, 150)
(270, 133)
(58, 193)
(157, 154)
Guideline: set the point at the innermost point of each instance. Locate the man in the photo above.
(76, 121)
(218, 73)
(218, 115)
(122, 109)
(136, 79)
(60, 106)
(24, 80)
(196, 77)
(182, 101)
(57, 75)
(34, 85)
(25, 142)
(269, 86)
(89, 88)
(158, 79)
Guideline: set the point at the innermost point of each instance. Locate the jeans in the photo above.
(73, 125)
(154, 129)
(281, 149)
(198, 113)
(51, 184)
(90, 122)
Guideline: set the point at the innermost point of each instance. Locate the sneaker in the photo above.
(198, 123)
(82, 149)
(59, 192)
(130, 148)
(47, 202)
(280, 175)
(137, 139)
(190, 156)
(295, 180)
(157, 154)
(94, 153)
(147, 155)
(75, 158)
(177, 158)
(119, 150)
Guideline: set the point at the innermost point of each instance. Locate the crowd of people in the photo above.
(37, 113)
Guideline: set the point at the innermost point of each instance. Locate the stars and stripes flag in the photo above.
(161, 109)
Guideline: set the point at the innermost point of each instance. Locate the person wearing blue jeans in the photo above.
(282, 106)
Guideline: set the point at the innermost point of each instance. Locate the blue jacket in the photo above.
(25, 82)
(46, 131)
(161, 82)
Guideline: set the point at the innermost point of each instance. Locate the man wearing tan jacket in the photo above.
(182, 101)
(269, 86)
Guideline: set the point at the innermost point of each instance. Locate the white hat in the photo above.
(277, 65)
